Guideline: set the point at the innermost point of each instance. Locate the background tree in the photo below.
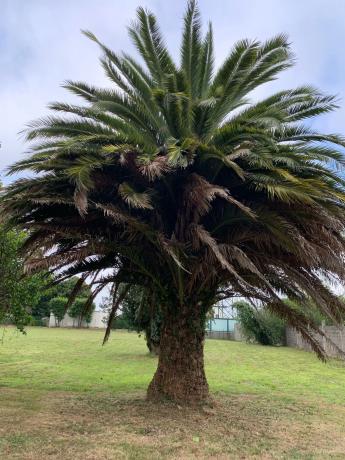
(42, 309)
(175, 181)
(57, 305)
(260, 325)
(80, 307)
(18, 294)
(81, 310)
(137, 314)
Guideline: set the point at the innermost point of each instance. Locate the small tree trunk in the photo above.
(152, 346)
(180, 375)
(152, 337)
(155, 348)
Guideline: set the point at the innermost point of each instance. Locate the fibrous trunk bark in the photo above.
(180, 375)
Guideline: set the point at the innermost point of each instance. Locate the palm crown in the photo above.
(175, 181)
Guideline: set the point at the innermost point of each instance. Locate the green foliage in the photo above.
(57, 306)
(65, 288)
(79, 309)
(136, 316)
(136, 312)
(42, 308)
(38, 322)
(18, 294)
(260, 325)
(312, 312)
(121, 323)
(134, 309)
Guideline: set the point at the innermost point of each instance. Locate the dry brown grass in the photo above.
(67, 425)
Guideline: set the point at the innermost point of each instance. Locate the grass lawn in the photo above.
(64, 396)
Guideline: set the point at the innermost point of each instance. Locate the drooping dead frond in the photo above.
(117, 299)
(199, 194)
(80, 200)
(155, 168)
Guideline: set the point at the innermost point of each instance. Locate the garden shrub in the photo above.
(260, 325)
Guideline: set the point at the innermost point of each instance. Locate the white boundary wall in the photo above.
(98, 321)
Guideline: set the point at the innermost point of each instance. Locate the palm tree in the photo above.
(174, 181)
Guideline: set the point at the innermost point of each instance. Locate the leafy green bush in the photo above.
(120, 322)
(19, 294)
(136, 315)
(57, 306)
(140, 317)
(43, 308)
(37, 322)
(260, 325)
(77, 310)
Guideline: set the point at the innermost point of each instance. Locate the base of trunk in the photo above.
(179, 390)
(180, 375)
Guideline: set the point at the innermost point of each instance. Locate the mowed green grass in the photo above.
(67, 359)
(64, 395)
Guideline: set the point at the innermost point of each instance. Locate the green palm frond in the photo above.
(135, 199)
(147, 38)
(191, 48)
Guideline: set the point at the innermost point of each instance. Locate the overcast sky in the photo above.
(41, 46)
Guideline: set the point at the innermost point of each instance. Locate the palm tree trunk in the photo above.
(180, 375)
